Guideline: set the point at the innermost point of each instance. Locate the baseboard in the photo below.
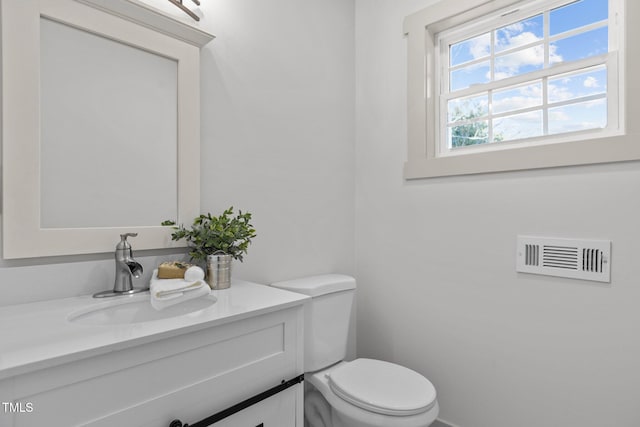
(442, 423)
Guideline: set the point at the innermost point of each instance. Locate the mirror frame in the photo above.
(22, 234)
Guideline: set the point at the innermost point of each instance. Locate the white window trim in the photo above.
(424, 159)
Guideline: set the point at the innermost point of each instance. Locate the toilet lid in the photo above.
(382, 387)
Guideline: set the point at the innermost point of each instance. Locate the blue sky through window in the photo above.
(519, 33)
(519, 48)
(583, 45)
(578, 14)
(530, 31)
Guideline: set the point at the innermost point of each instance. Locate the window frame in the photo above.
(425, 154)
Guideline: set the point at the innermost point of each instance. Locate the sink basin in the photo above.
(137, 309)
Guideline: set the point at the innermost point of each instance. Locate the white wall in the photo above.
(277, 140)
(435, 266)
(278, 128)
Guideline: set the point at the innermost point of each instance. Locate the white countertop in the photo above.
(39, 335)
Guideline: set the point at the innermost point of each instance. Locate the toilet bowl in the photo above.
(362, 392)
(372, 402)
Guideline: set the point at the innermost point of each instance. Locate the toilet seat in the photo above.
(382, 387)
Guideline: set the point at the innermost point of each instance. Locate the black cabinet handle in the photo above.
(176, 423)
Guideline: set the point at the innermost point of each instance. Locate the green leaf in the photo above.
(210, 234)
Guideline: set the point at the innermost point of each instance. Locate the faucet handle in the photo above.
(123, 244)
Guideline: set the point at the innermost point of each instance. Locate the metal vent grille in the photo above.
(593, 260)
(560, 257)
(532, 254)
(574, 258)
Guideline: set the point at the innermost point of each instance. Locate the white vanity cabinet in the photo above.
(149, 374)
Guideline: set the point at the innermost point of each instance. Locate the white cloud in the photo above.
(510, 37)
(572, 126)
(514, 103)
(559, 93)
(520, 126)
(558, 116)
(564, 90)
(596, 103)
(578, 117)
(510, 40)
(513, 63)
(516, 27)
(480, 46)
(523, 97)
(591, 82)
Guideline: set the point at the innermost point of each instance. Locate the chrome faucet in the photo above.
(127, 268)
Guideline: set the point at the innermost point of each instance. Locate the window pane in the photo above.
(583, 45)
(470, 134)
(512, 99)
(518, 126)
(467, 76)
(577, 14)
(468, 108)
(468, 50)
(576, 85)
(581, 116)
(519, 62)
(520, 33)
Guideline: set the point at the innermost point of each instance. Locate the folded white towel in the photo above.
(168, 292)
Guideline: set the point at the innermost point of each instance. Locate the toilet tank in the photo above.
(326, 317)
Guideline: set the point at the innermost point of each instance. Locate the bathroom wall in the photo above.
(278, 130)
(436, 267)
(277, 105)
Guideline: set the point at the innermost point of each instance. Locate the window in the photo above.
(503, 85)
(535, 73)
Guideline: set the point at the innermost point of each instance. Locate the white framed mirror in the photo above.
(100, 127)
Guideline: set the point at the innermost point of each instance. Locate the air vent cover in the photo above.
(573, 258)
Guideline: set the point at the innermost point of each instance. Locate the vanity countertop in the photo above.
(39, 335)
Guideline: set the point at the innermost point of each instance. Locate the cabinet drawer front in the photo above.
(281, 410)
(276, 411)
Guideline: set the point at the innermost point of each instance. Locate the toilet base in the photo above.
(343, 420)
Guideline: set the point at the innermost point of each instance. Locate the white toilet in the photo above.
(360, 393)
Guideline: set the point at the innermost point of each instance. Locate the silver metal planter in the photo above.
(219, 271)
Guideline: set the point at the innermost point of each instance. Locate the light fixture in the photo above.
(186, 10)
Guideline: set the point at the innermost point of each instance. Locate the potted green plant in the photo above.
(216, 241)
